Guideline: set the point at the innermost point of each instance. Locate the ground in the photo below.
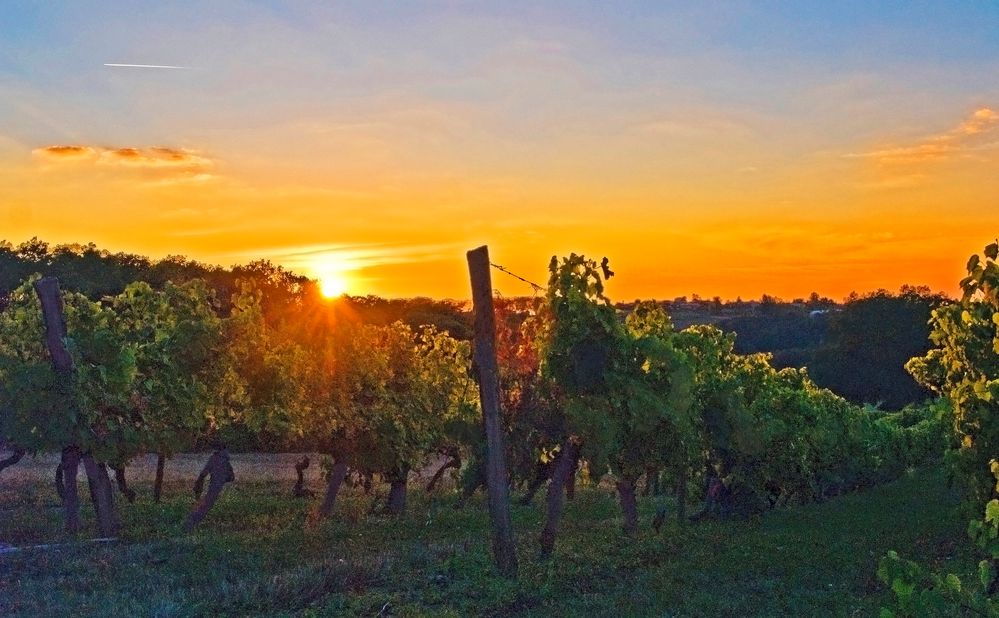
(258, 554)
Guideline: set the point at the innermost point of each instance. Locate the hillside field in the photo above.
(258, 554)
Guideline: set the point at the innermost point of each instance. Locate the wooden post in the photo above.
(55, 325)
(158, 483)
(47, 289)
(119, 477)
(333, 483)
(70, 494)
(102, 495)
(553, 508)
(342, 455)
(220, 470)
(55, 330)
(497, 479)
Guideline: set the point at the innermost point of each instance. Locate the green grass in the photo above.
(256, 554)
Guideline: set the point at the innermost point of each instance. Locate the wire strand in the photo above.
(537, 288)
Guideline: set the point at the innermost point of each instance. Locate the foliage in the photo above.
(384, 396)
(260, 389)
(668, 436)
(641, 395)
(626, 388)
(93, 407)
(285, 296)
(164, 368)
(920, 592)
(964, 367)
(153, 370)
(530, 405)
(773, 436)
(424, 386)
(176, 337)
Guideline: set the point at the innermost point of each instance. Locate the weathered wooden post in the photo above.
(497, 478)
(341, 454)
(158, 483)
(300, 490)
(219, 472)
(47, 289)
(564, 467)
(122, 482)
(102, 496)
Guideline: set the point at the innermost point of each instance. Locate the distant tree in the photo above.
(870, 340)
(445, 315)
(35, 251)
(769, 305)
(819, 302)
(787, 331)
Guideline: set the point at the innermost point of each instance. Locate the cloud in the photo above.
(928, 151)
(972, 134)
(982, 120)
(894, 181)
(805, 245)
(356, 256)
(65, 153)
(144, 66)
(187, 178)
(157, 157)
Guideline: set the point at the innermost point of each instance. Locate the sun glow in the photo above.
(332, 284)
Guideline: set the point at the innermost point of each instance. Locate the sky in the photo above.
(728, 149)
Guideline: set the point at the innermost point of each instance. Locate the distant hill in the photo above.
(857, 348)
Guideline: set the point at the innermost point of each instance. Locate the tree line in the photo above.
(585, 390)
(857, 349)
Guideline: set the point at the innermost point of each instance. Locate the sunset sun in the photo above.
(332, 285)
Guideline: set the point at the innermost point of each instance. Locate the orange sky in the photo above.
(364, 145)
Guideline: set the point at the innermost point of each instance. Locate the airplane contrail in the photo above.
(144, 66)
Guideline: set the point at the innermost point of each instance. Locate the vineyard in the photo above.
(718, 463)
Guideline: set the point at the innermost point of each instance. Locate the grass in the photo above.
(257, 554)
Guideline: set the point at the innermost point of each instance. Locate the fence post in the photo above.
(497, 478)
(47, 289)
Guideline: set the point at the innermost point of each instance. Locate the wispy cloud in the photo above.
(982, 120)
(186, 179)
(970, 135)
(157, 157)
(352, 256)
(144, 66)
